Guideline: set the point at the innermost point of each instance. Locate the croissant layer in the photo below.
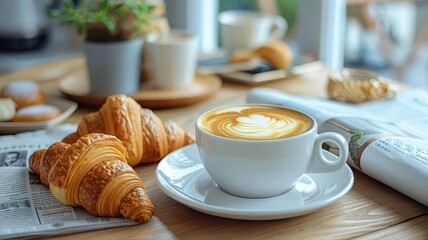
(145, 136)
(93, 173)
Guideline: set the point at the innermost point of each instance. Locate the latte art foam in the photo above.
(255, 122)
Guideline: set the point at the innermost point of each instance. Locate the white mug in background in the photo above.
(259, 168)
(240, 29)
(173, 58)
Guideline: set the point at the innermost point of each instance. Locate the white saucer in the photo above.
(182, 176)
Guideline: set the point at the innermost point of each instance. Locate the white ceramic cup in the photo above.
(266, 168)
(173, 58)
(241, 29)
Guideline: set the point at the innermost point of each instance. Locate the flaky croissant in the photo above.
(146, 137)
(93, 173)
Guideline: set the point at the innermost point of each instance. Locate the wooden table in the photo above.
(370, 210)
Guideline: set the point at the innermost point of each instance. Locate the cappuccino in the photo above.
(255, 122)
(255, 143)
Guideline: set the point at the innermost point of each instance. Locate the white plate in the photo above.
(182, 176)
(66, 107)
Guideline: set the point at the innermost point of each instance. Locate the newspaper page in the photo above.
(385, 154)
(27, 208)
(388, 140)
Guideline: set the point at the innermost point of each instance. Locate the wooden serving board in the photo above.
(75, 86)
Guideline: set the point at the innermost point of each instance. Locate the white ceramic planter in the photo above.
(113, 67)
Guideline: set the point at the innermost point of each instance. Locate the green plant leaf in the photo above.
(110, 24)
(104, 4)
(105, 12)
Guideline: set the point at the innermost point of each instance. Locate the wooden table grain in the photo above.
(371, 210)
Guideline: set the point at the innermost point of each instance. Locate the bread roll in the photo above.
(23, 93)
(37, 113)
(241, 55)
(277, 53)
(7, 109)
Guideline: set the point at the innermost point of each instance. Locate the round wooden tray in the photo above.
(75, 86)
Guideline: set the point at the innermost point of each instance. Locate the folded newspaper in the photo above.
(27, 208)
(388, 139)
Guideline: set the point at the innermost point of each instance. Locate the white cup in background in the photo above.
(241, 29)
(173, 58)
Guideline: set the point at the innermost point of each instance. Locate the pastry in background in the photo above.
(276, 53)
(93, 173)
(24, 93)
(36, 113)
(241, 55)
(7, 109)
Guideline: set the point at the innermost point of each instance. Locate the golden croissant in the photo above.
(93, 173)
(146, 138)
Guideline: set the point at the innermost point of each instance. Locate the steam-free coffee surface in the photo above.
(252, 122)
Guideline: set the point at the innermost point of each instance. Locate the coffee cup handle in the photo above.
(319, 163)
(278, 26)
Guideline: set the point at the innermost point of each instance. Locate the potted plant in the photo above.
(113, 40)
